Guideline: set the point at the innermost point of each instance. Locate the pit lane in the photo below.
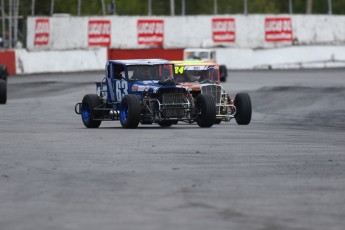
(283, 171)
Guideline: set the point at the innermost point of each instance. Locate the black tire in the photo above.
(3, 73)
(207, 106)
(243, 106)
(90, 101)
(130, 112)
(223, 73)
(3, 91)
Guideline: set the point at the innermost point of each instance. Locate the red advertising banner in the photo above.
(223, 30)
(41, 32)
(278, 29)
(99, 32)
(150, 32)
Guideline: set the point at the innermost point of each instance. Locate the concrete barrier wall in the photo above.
(60, 61)
(67, 33)
(234, 58)
(63, 44)
(280, 58)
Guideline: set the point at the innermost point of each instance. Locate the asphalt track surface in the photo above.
(286, 170)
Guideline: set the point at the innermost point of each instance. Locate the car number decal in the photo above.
(179, 69)
(121, 88)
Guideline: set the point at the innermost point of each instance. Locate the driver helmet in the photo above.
(194, 75)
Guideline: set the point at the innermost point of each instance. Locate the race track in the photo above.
(286, 170)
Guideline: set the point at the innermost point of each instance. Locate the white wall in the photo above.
(284, 57)
(191, 31)
(320, 42)
(60, 61)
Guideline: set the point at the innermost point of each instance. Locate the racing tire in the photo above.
(206, 105)
(90, 101)
(3, 91)
(223, 72)
(243, 106)
(130, 112)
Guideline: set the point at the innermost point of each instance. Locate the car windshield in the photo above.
(202, 74)
(149, 72)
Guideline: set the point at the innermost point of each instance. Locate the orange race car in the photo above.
(203, 77)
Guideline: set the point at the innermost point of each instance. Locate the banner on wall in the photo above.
(99, 32)
(278, 29)
(150, 32)
(223, 30)
(42, 30)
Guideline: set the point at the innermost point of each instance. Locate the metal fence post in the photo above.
(172, 7)
(290, 7)
(15, 21)
(330, 7)
(149, 13)
(309, 6)
(33, 8)
(183, 7)
(103, 7)
(79, 7)
(245, 7)
(215, 7)
(114, 5)
(10, 24)
(51, 7)
(3, 21)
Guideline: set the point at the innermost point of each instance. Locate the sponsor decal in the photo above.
(150, 32)
(278, 29)
(223, 30)
(196, 67)
(142, 88)
(99, 32)
(41, 32)
(134, 88)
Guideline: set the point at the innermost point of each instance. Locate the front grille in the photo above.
(173, 99)
(215, 90)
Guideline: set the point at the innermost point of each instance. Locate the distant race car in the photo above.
(204, 54)
(3, 84)
(144, 91)
(202, 77)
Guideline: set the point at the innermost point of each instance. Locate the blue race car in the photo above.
(144, 91)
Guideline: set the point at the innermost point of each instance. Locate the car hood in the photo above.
(193, 86)
(149, 86)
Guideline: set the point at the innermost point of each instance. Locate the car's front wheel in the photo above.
(207, 110)
(130, 111)
(243, 106)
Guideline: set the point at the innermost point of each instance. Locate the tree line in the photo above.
(181, 7)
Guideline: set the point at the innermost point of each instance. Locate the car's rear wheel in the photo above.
(88, 114)
(207, 107)
(3, 92)
(223, 73)
(243, 106)
(130, 111)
